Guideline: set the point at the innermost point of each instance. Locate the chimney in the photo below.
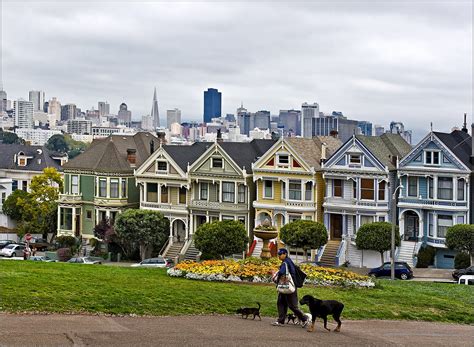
(152, 146)
(132, 156)
(323, 151)
(161, 137)
(219, 136)
(464, 126)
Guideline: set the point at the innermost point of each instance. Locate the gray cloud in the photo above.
(410, 61)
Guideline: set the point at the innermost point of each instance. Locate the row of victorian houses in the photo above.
(342, 185)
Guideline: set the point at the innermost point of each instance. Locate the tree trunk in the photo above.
(381, 257)
(472, 258)
(143, 249)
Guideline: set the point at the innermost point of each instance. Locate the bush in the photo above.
(304, 234)
(64, 254)
(66, 241)
(377, 236)
(425, 257)
(462, 260)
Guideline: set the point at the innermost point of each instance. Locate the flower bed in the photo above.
(260, 271)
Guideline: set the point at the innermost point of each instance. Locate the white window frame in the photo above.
(265, 196)
(158, 162)
(290, 182)
(453, 187)
(283, 190)
(217, 167)
(306, 190)
(334, 186)
(463, 182)
(241, 193)
(230, 192)
(355, 155)
(283, 155)
(102, 179)
(431, 162)
(417, 186)
(201, 185)
(437, 225)
(117, 180)
(75, 185)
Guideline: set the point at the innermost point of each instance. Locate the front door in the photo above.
(412, 225)
(78, 224)
(336, 226)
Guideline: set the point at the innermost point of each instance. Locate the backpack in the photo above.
(300, 276)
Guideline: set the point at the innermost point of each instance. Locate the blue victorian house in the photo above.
(435, 191)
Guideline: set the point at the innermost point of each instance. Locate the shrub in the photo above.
(460, 238)
(462, 260)
(66, 241)
(64, 254)
(377, 236)
(304, 234)
(425, 257)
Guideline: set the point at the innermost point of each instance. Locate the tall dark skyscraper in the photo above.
(212, 104)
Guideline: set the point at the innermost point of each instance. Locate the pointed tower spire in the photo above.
(155, 115)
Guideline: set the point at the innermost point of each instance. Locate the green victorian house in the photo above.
(100, 183)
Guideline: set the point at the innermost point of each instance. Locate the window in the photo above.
(228, 191)
(283, 190)
(294, 190)
(241, 193)
(89, 214)
(308, 217)
(445, 188)
(66, 218)
(152, 192)
(308, 191)
(283, 159)
(182, 195)
(203, 189)
(444, 222)
(337, 189)
(432, 157)
(268, 189)
(412, 186)
(217, 163)
(227, 217)
(381, 219)
(24, 185)
(382, 190)
(102, 187)
(124, 187)
(460, 189)
(430, 187)
(164, 194)
(354, 159)
(293, 217)
(21, 161)
(354, 189)
(366, 220)
(162, 166)
(367, 189)
(14, 185)
(460, 220)
(241, 219)
(74, 184)
(4, 196)
(114, 188)
(430, 224)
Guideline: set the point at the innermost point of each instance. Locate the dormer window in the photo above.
(217, 163)
(162, 166)
(22, 161)
(355, 159)
(432, 157)
(283, 159)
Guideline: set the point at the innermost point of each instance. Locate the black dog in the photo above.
(291, 317)
(323, 308)
(247, 311)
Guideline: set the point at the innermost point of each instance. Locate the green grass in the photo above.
(57, 287)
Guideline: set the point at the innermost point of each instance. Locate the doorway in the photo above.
(336, 226)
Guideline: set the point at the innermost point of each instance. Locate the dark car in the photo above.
(4, 243)
(403, 271)
(467, 271)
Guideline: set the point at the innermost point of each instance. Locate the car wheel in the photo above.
(13, 255)
(404, 276)
(372, 276)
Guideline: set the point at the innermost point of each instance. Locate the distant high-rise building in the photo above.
(379, 130)
(290, 120)
(173, 116)
(155, 114)
(79, 126)
(68, 111)
(212, 104)
(366, 128)
(3, 101)
(104, 108)
(308, 112)
(37, 98)
(399, 128)
(335, 125)
(147, 123)
(244, 120)
(124, 115)
(23, 113)
(230, 117)
(54, 108)
(261, 120)
(46, 106)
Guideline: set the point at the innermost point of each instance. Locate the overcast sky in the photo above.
(404, 60)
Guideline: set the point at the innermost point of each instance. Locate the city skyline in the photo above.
(416, 73)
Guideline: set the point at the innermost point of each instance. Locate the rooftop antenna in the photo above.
(431, 126)
(464, 126)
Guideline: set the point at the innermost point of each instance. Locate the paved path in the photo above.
(77, 330)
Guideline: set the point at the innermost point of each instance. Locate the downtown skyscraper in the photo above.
(37, 98)
(212, 104)
(155, 115)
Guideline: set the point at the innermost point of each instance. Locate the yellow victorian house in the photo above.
(289, 180)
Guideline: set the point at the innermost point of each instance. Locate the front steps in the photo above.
(330, 251)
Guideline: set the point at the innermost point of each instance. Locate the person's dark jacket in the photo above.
(291, 268)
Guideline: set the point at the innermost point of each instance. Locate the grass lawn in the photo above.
(58, 287)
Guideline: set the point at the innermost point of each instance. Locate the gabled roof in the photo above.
(458, 142)
(41, 157)
(184, 155)
(310, 150)
(246, 153)
(386, 147)
(110, 154)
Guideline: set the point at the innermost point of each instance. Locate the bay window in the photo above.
(114, 187)
(164, 194)
(444, 222)
(445, 188)
(308, 191)
(241, 192)
(182, 195)
(430, 183)
(74, 184)
(382, 185)
(412, 186)
(152, 192)
(268, 189)
(367, 189)
(337, 188)
(203, 190)
(461, 189)
(102, 187)
(228, 191)
(294, 190)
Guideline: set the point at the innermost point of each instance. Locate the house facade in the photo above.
(435, 177)
(360, 177)
(100, 183)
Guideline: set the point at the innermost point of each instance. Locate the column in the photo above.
(189, 229)
(236, 193)
(171, 232)
(59, 219)
(344, 225)
(186, 230)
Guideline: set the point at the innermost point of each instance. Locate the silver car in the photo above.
(84, 260)
(154, 262)
(12, 250)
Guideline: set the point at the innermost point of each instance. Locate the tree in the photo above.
(220, 239)
(10, 138)
(57, 143)
(377, 237)
(104, 231)
(147, 229)
(460, 238)
(304, 234)
(11, 207)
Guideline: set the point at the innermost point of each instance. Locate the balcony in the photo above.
(164, 207)
(436, 242)
(111, 202)
(215, 205)
(70, 198)
(354, 203)
(432, 204)
(294, 206)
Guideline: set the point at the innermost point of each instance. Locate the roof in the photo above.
(110, 154)
(386, 147)
(310, 150)
(184, 155)
(458, 142)
(246, 153)
(41, 157)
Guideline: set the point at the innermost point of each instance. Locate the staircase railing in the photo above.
(341, 253)
(164, 246)
(320, 252)
(251, 248)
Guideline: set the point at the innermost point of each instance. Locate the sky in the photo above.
(409, 61)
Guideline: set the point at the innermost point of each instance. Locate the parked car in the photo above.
(84, 260)
(467, 271)
(467, 280)
(39, 243)
(4, 243)
(41, 258)
(402, 270)
(12, 250)
(154, 262)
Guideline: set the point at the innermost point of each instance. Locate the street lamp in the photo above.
(394, 216)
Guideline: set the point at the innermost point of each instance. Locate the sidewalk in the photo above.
(428, 274)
